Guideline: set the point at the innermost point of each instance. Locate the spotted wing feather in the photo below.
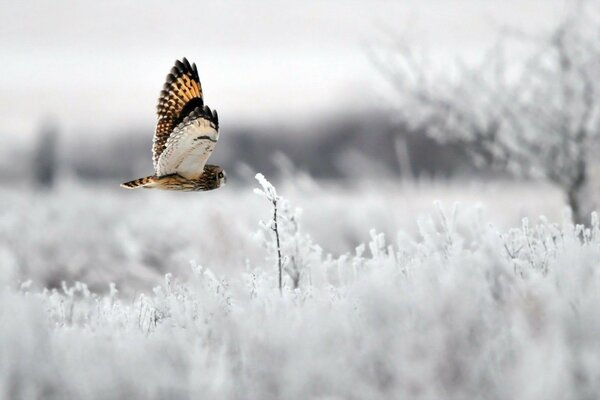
(181, 94)
(190, 144)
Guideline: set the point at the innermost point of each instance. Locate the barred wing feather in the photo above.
(181, 94)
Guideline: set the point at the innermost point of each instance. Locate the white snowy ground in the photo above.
(458, 306)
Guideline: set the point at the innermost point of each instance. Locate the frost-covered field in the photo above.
(132, 238)
(457, 306)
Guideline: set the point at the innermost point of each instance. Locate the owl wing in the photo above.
(181, 94)
(190, 144)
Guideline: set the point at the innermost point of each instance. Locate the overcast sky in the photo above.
(101, 64)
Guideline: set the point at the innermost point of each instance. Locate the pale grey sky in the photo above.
(101, 64)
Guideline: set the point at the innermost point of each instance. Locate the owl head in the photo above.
(215, 176)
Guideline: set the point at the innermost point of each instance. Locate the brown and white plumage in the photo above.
(189, 145)
(185, 136)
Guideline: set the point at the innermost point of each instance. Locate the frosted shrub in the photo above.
(464, 311)
(532, 113)
(282, 238)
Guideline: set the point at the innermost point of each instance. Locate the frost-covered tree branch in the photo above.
(535, 115)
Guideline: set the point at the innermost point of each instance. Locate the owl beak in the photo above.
(223, 179)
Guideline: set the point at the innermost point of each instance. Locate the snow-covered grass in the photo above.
(103, 234)
(459, 308)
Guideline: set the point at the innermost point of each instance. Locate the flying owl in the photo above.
(185, 136)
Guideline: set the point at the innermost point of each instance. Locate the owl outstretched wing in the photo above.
(186, 131)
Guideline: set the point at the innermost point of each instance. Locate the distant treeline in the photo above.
(338, 148)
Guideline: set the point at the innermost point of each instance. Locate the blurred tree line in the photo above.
(339, 148)
(368, 145)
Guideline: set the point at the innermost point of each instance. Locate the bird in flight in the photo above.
(185, 136)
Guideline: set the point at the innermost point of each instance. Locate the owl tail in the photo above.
(147, 182)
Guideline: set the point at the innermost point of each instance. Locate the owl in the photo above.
(185, 136)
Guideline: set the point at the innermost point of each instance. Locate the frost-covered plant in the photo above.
(268, 192)
(299, 248)
(447, 315)
(460, 310)
(463, 311)
(295, 251)
(535, 113)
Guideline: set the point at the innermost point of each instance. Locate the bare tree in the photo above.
(534, 113)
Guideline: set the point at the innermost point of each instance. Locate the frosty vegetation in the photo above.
(463, 310)
(530, 107)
